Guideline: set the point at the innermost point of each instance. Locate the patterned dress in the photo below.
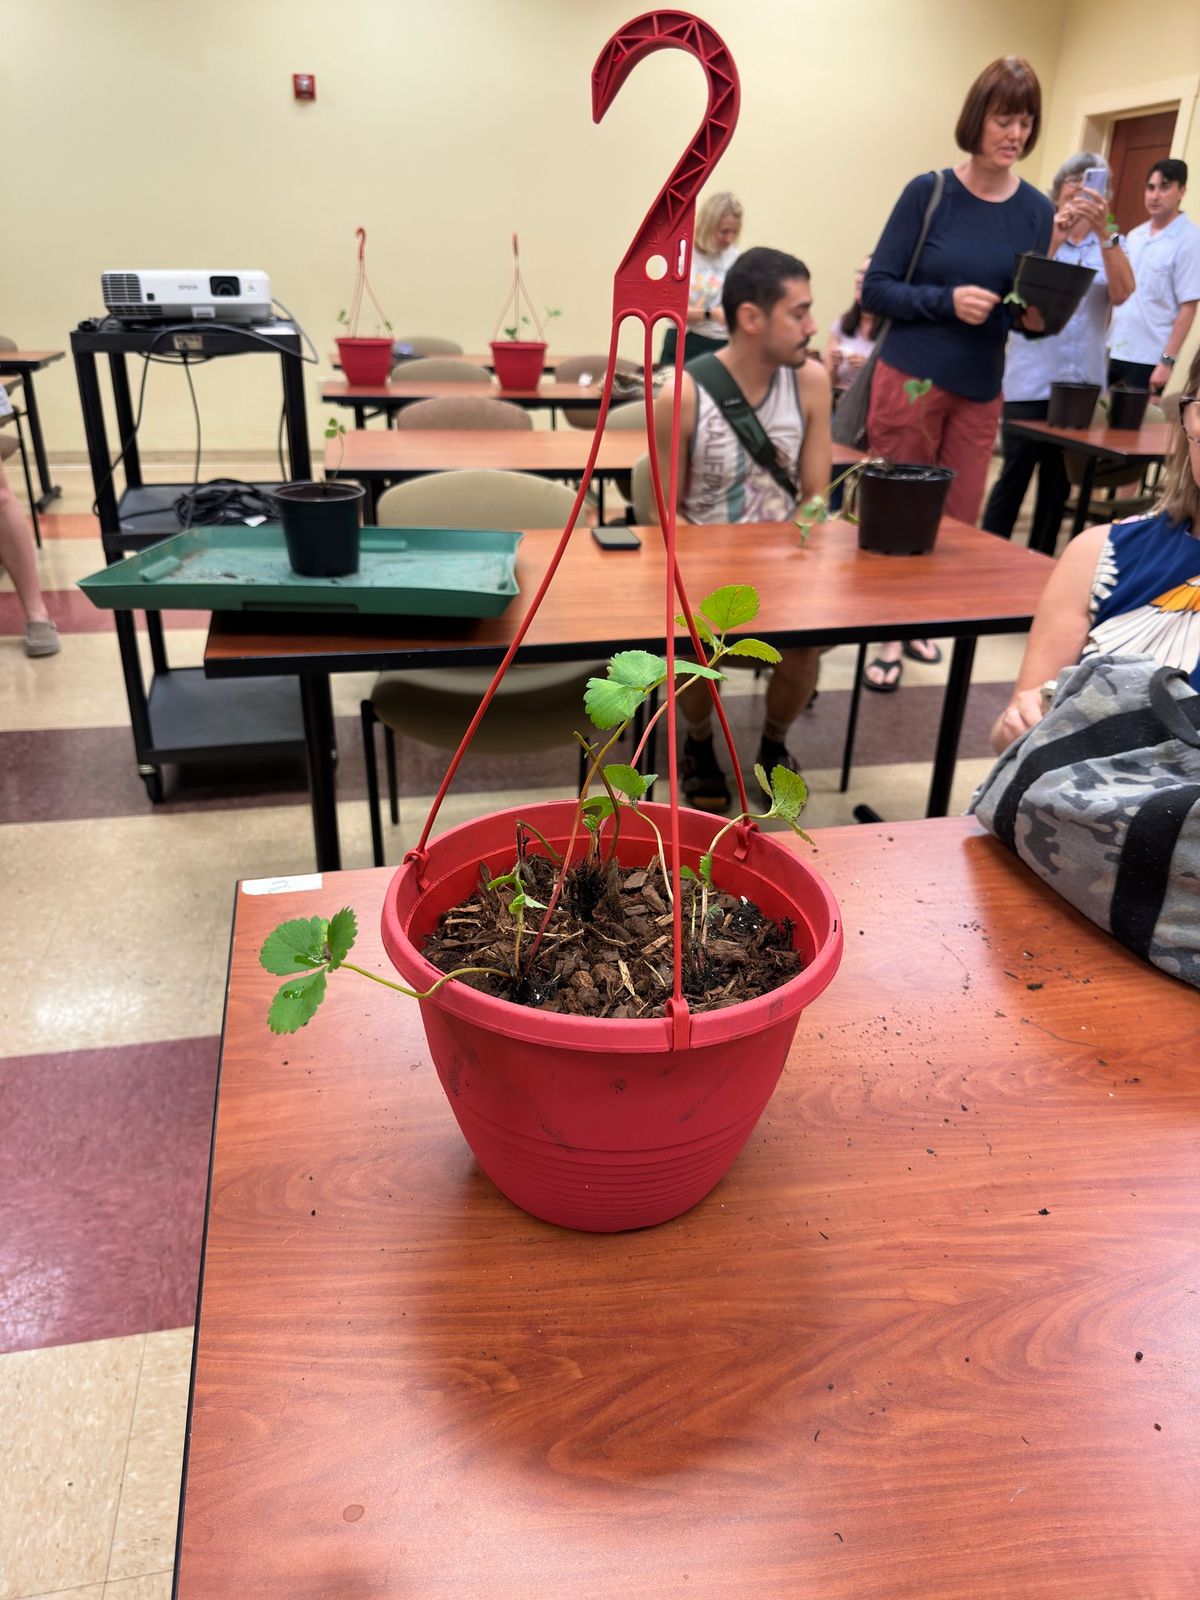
(1145, 597)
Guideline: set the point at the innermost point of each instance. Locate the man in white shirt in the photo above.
(1148, 331)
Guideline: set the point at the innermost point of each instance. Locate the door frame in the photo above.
(1096, 113)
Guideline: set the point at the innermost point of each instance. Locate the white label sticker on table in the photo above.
(306, 880)
(253, 522)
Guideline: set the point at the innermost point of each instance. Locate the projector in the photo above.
(169, 296)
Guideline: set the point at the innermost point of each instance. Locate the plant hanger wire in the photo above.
(519, 291)
(650, 285)
(361, 282)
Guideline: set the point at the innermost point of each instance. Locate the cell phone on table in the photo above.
(616, 539)
(1096, 179)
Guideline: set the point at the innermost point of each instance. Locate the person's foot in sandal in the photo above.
(882, 674)
(41, 638)
(923, 650)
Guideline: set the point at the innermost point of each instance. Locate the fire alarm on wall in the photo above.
(304, 86)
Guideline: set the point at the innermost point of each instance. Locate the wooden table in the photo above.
(825, 592)
(376, 456)
(1135, 446)
(475, 357)
(23, 364)
(892, 1356)
(397, 394)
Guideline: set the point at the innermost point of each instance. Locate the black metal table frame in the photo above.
(314, 670)
(1092, 453)
(12, 366)
(202, 341)
(388, 405)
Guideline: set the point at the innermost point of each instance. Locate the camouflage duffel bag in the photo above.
(1102, 799)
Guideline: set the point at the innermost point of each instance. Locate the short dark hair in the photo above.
(1173, 171)
(757, 277)
(1008, 86)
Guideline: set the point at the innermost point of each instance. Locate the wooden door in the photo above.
(1137, 143)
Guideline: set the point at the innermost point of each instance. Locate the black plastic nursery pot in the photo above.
(899, 506)
(1127, 407)
(1072, 405)
(321, 527)
(1054, 287)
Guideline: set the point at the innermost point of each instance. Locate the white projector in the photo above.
(207, 296)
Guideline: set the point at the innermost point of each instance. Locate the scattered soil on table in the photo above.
(607, 952)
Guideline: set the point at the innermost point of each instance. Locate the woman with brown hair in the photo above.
(948, 321)
(1129, 589)
(718, 228)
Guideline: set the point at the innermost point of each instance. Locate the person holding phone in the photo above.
(948, 321)
(1079, 193)
(850, 338)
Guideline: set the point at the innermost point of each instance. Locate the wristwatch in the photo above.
(1112, 241)
(1167, 361)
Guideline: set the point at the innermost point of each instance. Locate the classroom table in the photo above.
(821, 593)
(396, 394)
(1128, 446)
(23, 364)
(476, 358)
(376, 456)
(934, 1337)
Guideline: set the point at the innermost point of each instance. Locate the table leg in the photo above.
(49, 490)
(317, 706)
(954, 704)
(1084, 503)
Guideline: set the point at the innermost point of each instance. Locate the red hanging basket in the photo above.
(605, 1124)
(365, 361)
(518, 363)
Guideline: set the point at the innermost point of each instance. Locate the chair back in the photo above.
(630, 418)
(476, 498)
(645, 511)
(466, 411)
(424, 344)
(590, 368)
(440, 369)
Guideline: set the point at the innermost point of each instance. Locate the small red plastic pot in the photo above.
(518, 363)
(365, 361)
(605, 1124)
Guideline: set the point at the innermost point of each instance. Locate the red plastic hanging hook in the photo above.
(666, 231)
(668, 226)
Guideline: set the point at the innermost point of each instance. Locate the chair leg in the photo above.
(33, 510)
(367, 712)
(852, 720)
(389, 753)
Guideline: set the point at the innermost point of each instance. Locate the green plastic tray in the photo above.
(425, 572)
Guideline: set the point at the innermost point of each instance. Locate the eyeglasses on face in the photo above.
(1189, 416)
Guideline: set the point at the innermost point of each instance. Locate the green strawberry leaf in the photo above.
(706, 868)
(608, 703)
(343, 930)
(295, 946)
(686, 872)
(702, 628)
(689, 669)
(627, 780)
(758, 648)
(760, 772)
(637, 668)
(596, 808)
(731, 606)
(296, 1002)
(789, 793)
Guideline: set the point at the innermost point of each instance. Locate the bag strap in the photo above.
(1182, 717)
(1144, 872)
(935, 200)
(715, 377)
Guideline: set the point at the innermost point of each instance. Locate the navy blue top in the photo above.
(970, 241)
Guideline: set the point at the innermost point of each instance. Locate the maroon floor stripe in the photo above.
(74, 613)
(103, 1167)
(56, 775)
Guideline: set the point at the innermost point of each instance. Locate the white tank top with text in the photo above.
(723, 482)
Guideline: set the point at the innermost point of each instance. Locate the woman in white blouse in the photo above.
(850, 338)
(718, 228)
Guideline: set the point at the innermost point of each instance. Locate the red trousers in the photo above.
(941, 429)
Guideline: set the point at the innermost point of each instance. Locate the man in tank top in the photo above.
(767, 302)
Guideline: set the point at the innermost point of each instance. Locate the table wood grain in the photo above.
(27, 360)
(399, 453)
(398, 392)
(825, 591)
(1150, 442)
(892, 1356)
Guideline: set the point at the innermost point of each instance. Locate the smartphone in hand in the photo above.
(1096, 179)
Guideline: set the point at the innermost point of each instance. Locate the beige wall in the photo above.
(164, 134)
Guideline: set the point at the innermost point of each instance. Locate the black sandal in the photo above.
(909, 647)
(891, 672)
